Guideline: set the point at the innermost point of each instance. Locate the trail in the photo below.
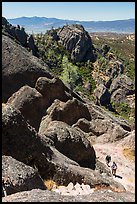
(126, 166)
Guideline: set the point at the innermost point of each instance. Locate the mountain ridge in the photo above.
(40, 24)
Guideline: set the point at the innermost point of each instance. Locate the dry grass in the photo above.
(131, 180)
(50, 184)
(129, 153)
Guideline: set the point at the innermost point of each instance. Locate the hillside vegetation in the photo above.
(111, 50)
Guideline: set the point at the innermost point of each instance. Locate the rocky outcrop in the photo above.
(105, 49)
(115, 68)
(20, 35)
(75, 39)
(19, 68)
(16, 176)
(120, 88)
(70, 142)
(19, 139)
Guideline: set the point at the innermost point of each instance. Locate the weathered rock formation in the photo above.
(75, 39)
(68, 112)
(39, 150)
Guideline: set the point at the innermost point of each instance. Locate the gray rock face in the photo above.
(16, 176)
(78, 42)
(19, 68)
(70, 142)
(115, 68)
(4, 21)
(21, 141)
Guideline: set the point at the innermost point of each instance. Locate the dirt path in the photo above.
(126, 167)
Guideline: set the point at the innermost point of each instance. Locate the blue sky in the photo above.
(87, 11)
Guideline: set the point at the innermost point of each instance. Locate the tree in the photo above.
(70, 73)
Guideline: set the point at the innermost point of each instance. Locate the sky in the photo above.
(86, 11)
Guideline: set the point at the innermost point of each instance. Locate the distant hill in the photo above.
(41, 24)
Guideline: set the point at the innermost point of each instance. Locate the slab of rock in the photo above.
(102, 195)
(16, 176)
(98, 112)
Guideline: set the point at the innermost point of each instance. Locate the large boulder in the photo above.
(71, 142)
(16, 176)
(19, 139)
(19, 68)
(75, 39)
(52, 89)
(30, 103)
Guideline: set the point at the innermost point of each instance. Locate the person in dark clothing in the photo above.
(108, 159)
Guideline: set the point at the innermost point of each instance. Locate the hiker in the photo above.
(108, 159)
(114, 168)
